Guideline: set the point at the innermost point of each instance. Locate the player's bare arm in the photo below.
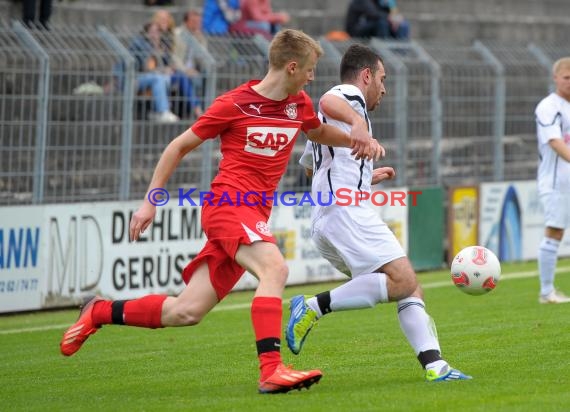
(336, 108)
(306, 160)
(560, 148)
(174, 152)
(382, 173)
(333, 136)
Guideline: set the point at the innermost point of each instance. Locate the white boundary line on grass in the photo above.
(239, 306)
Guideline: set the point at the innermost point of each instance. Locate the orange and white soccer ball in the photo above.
(475, 270)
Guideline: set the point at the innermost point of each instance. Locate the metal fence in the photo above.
(73, 126)
(23, 83)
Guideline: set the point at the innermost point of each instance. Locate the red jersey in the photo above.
(257, 136)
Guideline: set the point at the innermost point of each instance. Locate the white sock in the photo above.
(417, 325)
(314, 304)
(363, 291)
(438, 366)
(547, 255)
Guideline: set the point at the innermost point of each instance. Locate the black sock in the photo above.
(268, 345)
(428, 356)
(117, 309)
(324, 301)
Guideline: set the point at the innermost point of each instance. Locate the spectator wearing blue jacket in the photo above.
(219, 15)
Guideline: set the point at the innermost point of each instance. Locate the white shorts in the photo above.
(556, 207)
(355, 240)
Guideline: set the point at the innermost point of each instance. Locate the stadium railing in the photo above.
(453, 114)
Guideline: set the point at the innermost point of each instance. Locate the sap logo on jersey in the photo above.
(267, 141)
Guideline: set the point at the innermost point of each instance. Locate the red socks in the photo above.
(102, 312)
(266, 315)
(145, 312)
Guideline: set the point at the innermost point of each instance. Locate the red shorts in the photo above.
(227, 227)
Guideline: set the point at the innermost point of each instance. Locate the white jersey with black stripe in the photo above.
(336, 168)
(552, 122)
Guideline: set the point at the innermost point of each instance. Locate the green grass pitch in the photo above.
(517, 351)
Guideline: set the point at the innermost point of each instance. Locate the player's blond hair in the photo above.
(561, 64)
(292, 45)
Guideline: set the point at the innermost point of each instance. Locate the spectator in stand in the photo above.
(399, 27)
(185, 58)
(151, 73)
(257, 16)
(158, 2)
(179, 77)
(193, 24)
(166, 24)
(376, 18)
(219, 15)
(29, 13)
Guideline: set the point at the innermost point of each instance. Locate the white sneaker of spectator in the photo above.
(164, 117)
(89, 89)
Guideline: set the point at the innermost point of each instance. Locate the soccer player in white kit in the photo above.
(354, 238)
(553, 132)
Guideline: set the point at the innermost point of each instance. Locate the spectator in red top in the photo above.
(257, 16)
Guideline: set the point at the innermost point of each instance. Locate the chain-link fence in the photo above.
(82, 157)
(525, 83)
(76, 124)
(23, 105)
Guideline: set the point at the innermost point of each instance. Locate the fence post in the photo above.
(42, 109)
(500, 102)
(436, 111)
(262, 44)
(128, 90)
(544, 60)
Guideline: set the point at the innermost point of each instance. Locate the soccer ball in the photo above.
(475, 270)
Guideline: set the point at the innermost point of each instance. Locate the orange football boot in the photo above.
(285, 379)
(78, 333)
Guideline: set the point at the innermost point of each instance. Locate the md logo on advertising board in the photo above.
(75, 257)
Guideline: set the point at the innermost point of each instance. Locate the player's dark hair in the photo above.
(357, 58)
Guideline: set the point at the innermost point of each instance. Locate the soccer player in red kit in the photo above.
(258, 123)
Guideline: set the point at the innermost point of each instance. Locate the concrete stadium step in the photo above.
(113, 3)
(466, 29)
(462, 29)
(134, 12)
(99, 12)
(481, 7)
(485, 7)
(92, 109)
(442, 7)
(463, 20)
(10, 10)
(93, 14)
